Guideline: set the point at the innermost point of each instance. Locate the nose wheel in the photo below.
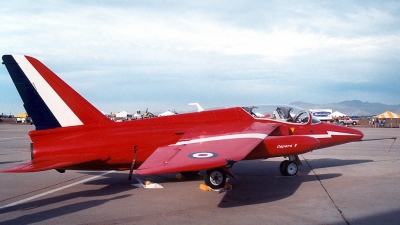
(288, 168)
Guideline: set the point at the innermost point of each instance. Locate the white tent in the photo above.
(167, 113)
(337, 114)
(122, 114)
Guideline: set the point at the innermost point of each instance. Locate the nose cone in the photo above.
(337, 135)
(346, 134)
(358, 135)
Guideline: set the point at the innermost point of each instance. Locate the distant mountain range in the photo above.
(352, 108)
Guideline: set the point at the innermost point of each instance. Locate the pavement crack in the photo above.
(326, 191)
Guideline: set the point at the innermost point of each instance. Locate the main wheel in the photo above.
(215, 178)
(291, 168)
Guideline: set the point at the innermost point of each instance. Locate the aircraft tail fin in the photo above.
(48, 100)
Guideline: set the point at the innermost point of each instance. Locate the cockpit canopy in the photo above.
(284, 113)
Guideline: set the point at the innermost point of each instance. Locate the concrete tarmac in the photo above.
(355, 183)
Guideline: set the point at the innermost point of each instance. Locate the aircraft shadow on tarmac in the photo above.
(60, 211)
(265, 184)
(101, 196)
(258, 181)
(10, 162)
(328, 162)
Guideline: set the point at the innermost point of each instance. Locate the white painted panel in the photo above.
(223, 137)
(65, 116)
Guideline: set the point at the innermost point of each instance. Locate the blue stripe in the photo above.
(34, 105)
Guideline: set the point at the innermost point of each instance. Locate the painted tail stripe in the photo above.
(61, 111)
(223, 137)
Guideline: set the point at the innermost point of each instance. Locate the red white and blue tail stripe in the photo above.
(48, 100)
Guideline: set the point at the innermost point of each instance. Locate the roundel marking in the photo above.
(203, 155)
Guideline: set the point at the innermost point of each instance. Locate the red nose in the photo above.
(337, 135)
(358, 135)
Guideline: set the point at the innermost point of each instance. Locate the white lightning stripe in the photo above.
(329, 134)
(57, 106)
(223, 137)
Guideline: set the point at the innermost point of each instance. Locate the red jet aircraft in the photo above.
(71, 134)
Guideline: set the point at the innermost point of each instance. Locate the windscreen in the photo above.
(282, 113)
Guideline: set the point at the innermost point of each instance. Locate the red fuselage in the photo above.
(115, 142)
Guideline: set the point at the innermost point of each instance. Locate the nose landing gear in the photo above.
(290, 167)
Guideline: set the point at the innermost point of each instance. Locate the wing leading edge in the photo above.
(205, 152)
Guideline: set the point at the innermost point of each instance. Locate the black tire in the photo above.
(282, 167)
(291, 168)
(215, 178)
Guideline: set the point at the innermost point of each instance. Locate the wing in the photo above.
(205, 152)
(50, 162)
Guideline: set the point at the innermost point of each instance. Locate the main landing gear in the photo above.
(216, 178)
(290, 167)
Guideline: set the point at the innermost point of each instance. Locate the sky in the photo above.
(162, 55)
